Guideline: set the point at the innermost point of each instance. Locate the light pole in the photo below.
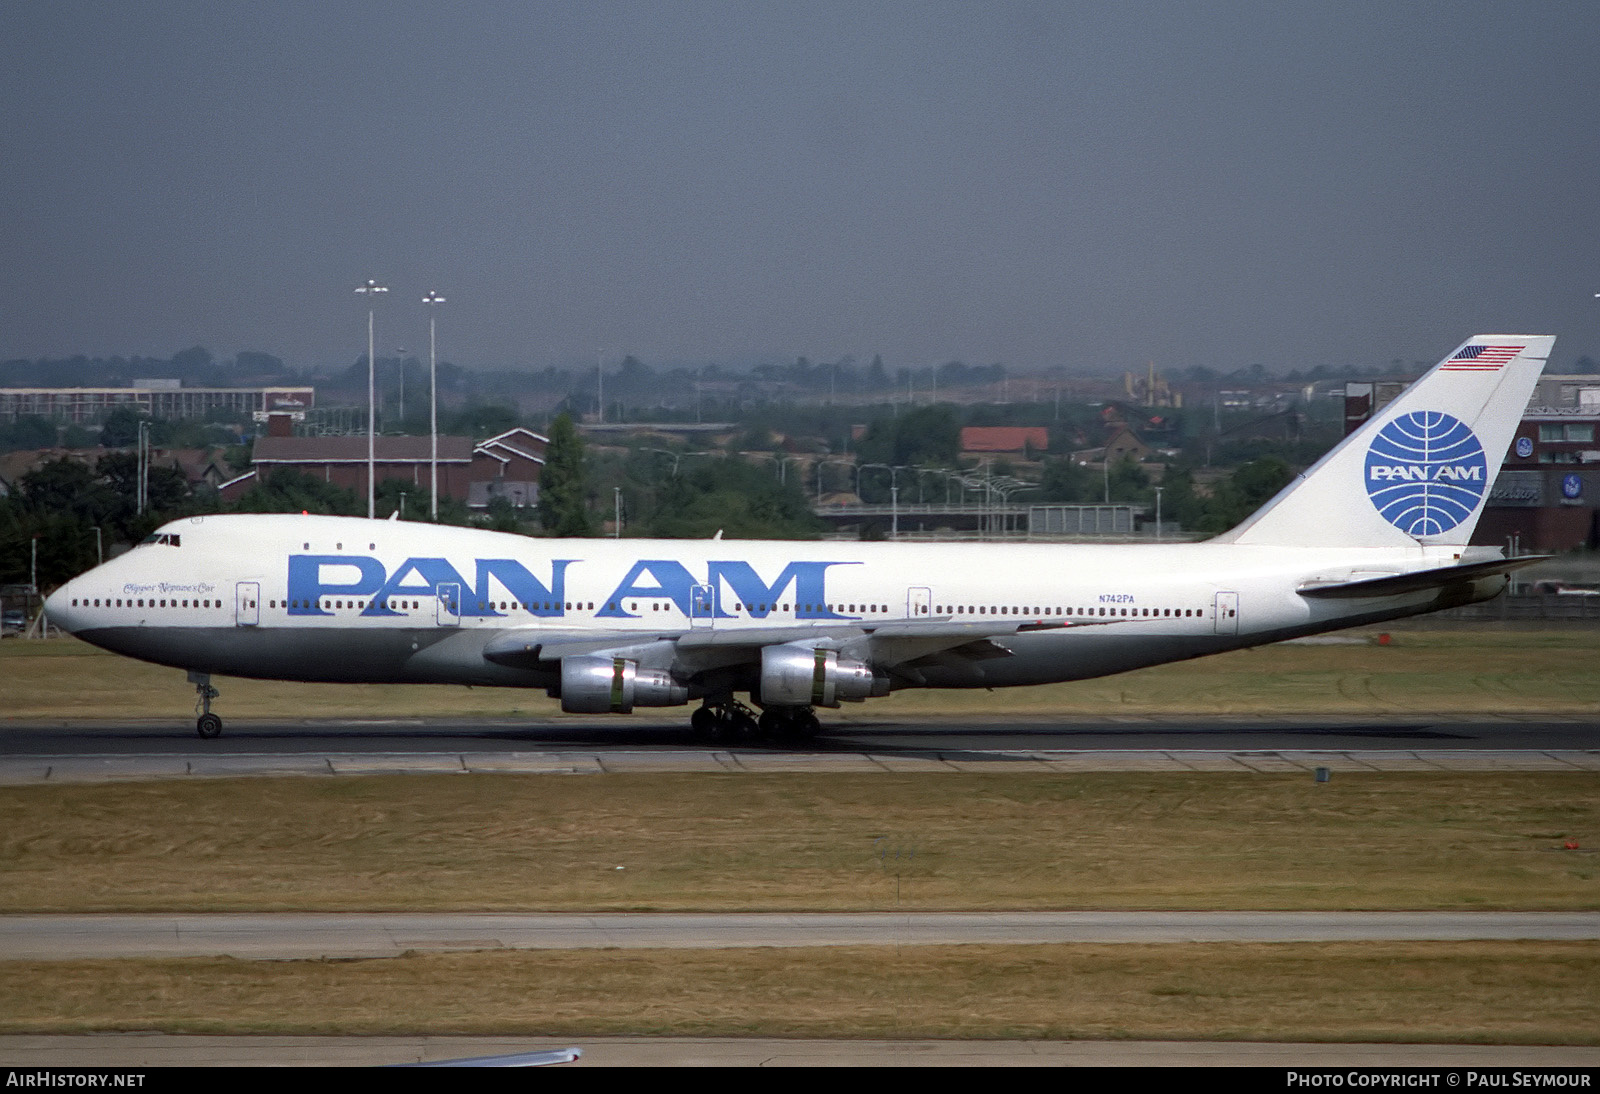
(433, 299)
(371, 290)
(144, 464)
(1005, 487)
(849, 464)
(1158, 512)
(400, 352)
(883, 466)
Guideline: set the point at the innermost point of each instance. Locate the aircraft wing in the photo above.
(885, 644)
(522, 647)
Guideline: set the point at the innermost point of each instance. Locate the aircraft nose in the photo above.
(57, 608)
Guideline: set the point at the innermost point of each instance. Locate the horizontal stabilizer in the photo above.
(1417, 582)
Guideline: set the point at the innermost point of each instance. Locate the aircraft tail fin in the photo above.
(1419, 471)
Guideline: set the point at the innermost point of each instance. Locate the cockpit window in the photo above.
(169, 538)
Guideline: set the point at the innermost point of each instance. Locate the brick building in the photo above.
(1018, 439)
(506, 465)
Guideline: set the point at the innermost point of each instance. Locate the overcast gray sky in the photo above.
(1083, 184)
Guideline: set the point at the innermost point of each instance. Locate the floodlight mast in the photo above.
(433, 299)
(370, 290)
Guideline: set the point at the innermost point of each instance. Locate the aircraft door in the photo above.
(702, 606)
(919, 603)
(247, 604)
(1227, 616)
(448, 605)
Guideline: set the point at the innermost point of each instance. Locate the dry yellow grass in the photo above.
(1484, 670)
(824, 842)
(1527, 993)
(805, 842)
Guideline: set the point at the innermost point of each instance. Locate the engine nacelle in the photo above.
(615, 685)
(801, 676)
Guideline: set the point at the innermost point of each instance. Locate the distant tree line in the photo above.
(60, 505)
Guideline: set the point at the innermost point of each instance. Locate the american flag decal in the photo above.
(1481, 358)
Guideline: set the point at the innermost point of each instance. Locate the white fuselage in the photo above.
(1377, 529)
(336, 598)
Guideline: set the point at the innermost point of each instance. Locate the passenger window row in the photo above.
(141, 602)
(853, 609)
(1075, 612)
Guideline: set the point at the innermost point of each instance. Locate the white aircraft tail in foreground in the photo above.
(1378, 529)
(1426, 462)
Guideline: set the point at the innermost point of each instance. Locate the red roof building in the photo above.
(1005, 438)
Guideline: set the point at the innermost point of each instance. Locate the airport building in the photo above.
(150, 398)
(1547, 497)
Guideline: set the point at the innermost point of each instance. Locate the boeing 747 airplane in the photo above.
(1377, 529)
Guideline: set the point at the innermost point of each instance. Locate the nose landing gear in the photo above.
(208, 725)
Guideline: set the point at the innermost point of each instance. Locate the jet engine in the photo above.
(803, 676)
(614, 685)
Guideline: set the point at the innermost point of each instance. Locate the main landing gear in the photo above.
(727, 720)
(208, 725)
(730, 720)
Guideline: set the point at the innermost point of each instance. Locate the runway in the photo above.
(42, 753)
(311, 936)
(36, 752)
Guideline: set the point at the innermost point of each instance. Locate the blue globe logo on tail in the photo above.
(1426, 472)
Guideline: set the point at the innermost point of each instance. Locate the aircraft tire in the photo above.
(799, 724)
(723, 728)
(209, 726)
(704, 722)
